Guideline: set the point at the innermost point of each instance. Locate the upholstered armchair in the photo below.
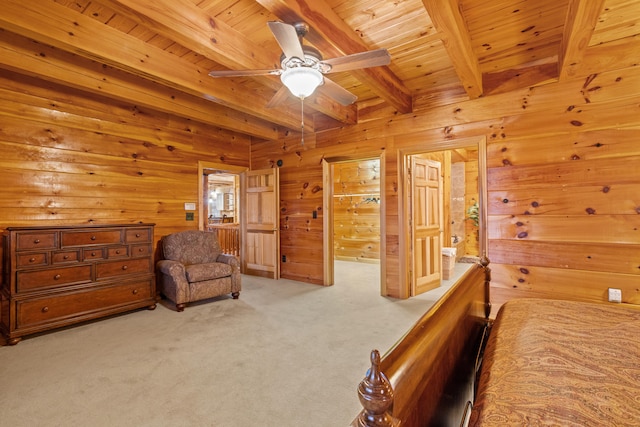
(194, 268)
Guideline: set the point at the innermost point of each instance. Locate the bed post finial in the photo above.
(376, 396)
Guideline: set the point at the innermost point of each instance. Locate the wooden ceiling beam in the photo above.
(185, 23)
(34, 59)
(449, 22)
(333, 37)
(70, 31)
(190, 26)
(581, 20)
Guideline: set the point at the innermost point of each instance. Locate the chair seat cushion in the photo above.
(209, 271)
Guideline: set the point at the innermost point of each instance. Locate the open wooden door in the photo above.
(261, 225)
(426, 195)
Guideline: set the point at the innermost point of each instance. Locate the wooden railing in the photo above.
(228, 237)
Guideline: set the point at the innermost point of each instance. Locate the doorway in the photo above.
(353, 209)
(222, 191)
(356, 211)
(434, 247)
(219, 208)
(249, 219)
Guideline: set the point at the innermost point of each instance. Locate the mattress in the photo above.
(560, 363)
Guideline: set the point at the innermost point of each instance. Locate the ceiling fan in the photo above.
(303, 68)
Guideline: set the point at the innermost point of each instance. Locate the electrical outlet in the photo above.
(615, 295)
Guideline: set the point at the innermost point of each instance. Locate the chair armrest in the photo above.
(171, 268)
(173, 281)
(229, 259)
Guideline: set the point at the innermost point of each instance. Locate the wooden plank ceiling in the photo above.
(442, 51)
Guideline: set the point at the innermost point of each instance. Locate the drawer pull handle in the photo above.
(56, 277)
(118, 251)
(45, 309)
(135, 292)
(140, 250)
(93, 237)
(32, 260)
(137, 234)
(36, 241)
(124, 267)
(66, 257)
(93, 254)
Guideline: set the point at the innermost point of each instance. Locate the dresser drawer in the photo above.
(138, 235)
(93, 253)
(65, 256)
(32, 259)
(30, 241)
(123, 267)
(140, 251)
(79, 304)
(29, 280)
(91, 237)
(118, 252)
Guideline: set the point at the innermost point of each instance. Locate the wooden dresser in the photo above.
(58, 276)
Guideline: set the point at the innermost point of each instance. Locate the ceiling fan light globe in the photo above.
(301, 81)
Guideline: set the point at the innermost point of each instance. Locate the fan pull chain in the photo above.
(302, 120)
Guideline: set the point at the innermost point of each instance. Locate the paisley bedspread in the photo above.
(560, 363)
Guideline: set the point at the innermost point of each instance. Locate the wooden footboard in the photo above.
(428, 376)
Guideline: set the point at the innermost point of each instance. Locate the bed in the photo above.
(541, 362)
(564, 363)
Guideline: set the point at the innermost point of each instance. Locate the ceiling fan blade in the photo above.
(287, 38)
(242, 73)
(337, 92)
(372, 58)
(277, 99)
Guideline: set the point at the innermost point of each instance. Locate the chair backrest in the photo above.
(191, 247)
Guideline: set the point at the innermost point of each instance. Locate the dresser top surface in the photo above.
(75, 227)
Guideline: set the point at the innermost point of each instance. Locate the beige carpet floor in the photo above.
(284, 354)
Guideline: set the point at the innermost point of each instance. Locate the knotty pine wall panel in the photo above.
(71, 158)
(580, 145)
(574, 201)
(359, 177)
(563, 206)
(301, 195)
(356, 228)
(552, 282)
(356, 210)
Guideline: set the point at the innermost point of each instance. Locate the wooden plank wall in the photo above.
(563, 177)
(68, 158)
(300, 233)
(563, 205)
(356, 210)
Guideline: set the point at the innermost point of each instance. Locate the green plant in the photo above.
(474, 214)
